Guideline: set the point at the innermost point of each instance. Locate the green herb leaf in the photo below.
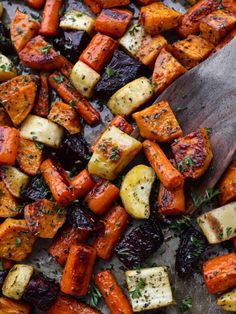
(229, 230)
(209, 130)
(94, 295)
(39, 145)
(180, 225)
(186, 304)
(45, 50)
(136, 293)
(18, 241)
(58, 79)
(110, 72)
(200, 200)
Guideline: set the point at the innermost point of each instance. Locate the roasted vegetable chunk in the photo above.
(14, 179)
(17, 96)
(114, 3)
(7, 69)
(77, 20)
(94, 5)
(16, 241)
(225, 41)
(166, 70)
(82, 183)
(157, 17)
(22, 29)
(216, 25)
(4, 118)
(227, 185)
(40, 55)
(41, 107)
(9, 143)
(139, 244)
(158, 122)
(36, 189)
(8, 204)
(192, 50)
(229, 5)
(9, 306)
(188, 255)
(121, 70)
(193, 153)
(227, 301)
(171, 202)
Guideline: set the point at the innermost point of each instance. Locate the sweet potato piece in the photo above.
(192, 50)
(65, 116)
(113, 22)
(216, 25)
(67, 305)
(29, 156)
(16, 241)
(9, 306)
(40, 55)
(229, 5)
(22, 30)
(69, 236)
(191, 19)
(82, 184)
(9, 143)
(78, 270)
(98, 52)
(158, 122)
(44, 218)
(8, 204)
(94, 5)
(4, 118)
(227, 185)
(41, 107)
(150, 49)
(157, 18)
(17, 96)
(225, 41)
(166, 70)
(193, 153)
(171, 202)
(114, 3)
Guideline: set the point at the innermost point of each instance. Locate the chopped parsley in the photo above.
(209, 130)
(59, 78)
(94, 295)
(186, 304)
(187, 161)
(45, 49)
(229, 230)
(110, 72)
(180, 225)
(18, 241)
(136, 292)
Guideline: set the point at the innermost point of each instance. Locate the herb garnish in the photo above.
(58, 79)
(94, 295)
(45, 50)
(187, 161)
(138, 288)
(229, 231)
(209, 130)
(18, 241)
(200, 200)
(110, 72)
(180, 225)
(186, 304)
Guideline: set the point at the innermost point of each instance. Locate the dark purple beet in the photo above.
(5, 41)
(3, 274)
(36, 189)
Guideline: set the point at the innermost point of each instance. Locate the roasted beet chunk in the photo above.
(36, 189)
(74, 149)
(82, 218)
(72, 43)
(121, 70)
(5, 41)
(3, 274)
(188, 255)
(139, 244)
(40, 291)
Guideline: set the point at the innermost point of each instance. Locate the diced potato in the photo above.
(16, 281)
(157, 18)
(227, 185)
(7, 69)
(135, 191)
(216, 25)
(228, 301)
(84, 78)
(130, 97)
(77, 20)
(193, 153)
(42, 130)
(219, 224)
(112, 154)
(8, 204)
(156, 290)
(132, 39)
(192, 50)
(1, 9)
(14, 179)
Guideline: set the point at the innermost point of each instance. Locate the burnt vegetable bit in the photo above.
(36, 189)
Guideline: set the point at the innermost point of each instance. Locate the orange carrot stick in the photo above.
(115, 223)
(67, 67)
(112, 293)
(41, 108)
(171, 202)
(170, 177)
(9, 142)
(220, 273)
(50, 18)
(36, 4)
(82, 184)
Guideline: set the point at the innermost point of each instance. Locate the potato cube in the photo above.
(158, 122)
(166, 70)
(112, 154)
(227, 184)
(130, 97)
(77, 20)
(193, 153)
(157, 17)
(192, 50)
(7, 69)
(154, 288)
(216, 25)
(227, 301)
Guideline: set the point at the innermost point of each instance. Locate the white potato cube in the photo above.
(113, 153)
(77, 20)
(16, 281)
(130, 97)
(42, 130)
(153, 286)
(7, 69)
(132, 39)
(228, 301)
(84, 78)
(219, 224)
(14, 179)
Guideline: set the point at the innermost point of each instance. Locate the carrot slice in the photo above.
(66, 67)
(50, 18)
(82, 184)
(8, 306)
(41, 108)
(227, 184)
(171, 202)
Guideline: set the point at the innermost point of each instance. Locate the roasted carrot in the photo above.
(36, 4)
(118, 122)
(8, 306)
(114, 3)
(94, 5)
(60, 246)
(113, 22)
(71, 96)
(102, 196)
(41, 108)
(227, 184)
(78, 270)
(9, 143)
(170, 177)
(229, 5)
(50, 18)
(68, 305)
(56, 178)
(98, 52)
(112, 293)
(225, 41)
(115, 223)
(82, 184)
(171, 202)
(220, 273)
(66, 67)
